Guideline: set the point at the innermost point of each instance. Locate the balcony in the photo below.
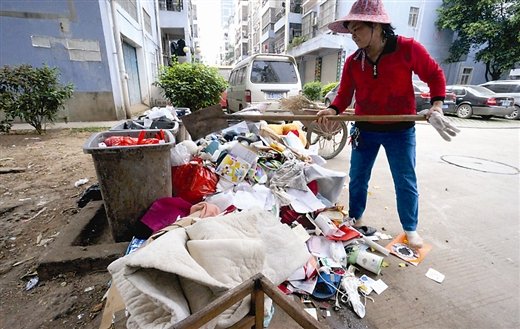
(322, 44)
(173, 15)
(171, 5)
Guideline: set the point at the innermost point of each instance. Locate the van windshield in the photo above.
(273, 72)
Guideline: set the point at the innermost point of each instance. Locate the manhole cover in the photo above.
(479, 164)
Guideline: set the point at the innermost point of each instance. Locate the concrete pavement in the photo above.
(470, 214)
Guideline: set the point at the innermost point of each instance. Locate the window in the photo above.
(465, 75)
(327, 11)
(458, 91)
(130, 6)
(413, 16)
(170, 5)
(273, 72)
(147, 22)
(503, 88)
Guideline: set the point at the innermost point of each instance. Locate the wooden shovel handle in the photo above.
(341, 117)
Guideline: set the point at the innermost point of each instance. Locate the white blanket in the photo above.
(187, 268)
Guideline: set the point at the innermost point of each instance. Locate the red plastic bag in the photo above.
(140, 140)
(193, 181)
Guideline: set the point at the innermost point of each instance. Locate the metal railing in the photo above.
(171, 5)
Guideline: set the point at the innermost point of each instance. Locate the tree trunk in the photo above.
(492, 72)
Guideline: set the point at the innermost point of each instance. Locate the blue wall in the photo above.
(83, 22)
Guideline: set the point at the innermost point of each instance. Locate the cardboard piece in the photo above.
(113, 311)
(399, 247)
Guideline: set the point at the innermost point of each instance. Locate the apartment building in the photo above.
(299, 28)
(179, 30)
(109, 50)
(227, 51)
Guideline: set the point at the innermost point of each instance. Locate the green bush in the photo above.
(312, 90)
(192, 85)
(296, 41)
(328, 87)
(31, 94)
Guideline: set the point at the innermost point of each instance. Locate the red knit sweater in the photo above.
(389, 90)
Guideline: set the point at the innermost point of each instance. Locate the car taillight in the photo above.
(425, 95)
(491, 101)
(247, 95)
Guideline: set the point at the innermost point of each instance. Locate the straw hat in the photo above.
(363, 11)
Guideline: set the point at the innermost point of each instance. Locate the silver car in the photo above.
(509, 88)
(329, 97)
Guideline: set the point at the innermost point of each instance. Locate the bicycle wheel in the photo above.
(331, 138)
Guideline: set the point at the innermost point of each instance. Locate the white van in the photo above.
(262, 78)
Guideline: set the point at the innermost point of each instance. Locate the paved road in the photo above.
(470, 214)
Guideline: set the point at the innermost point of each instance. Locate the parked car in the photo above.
(509, 88)
(329, 97)
(422, 97)
(223, 99)
(478, 100)
(262, 78)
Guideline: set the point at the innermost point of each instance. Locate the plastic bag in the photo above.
(179, 155)
(128, 141)
(193, 181)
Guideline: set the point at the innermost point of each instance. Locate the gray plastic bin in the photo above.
(172, 127)
(131, 178)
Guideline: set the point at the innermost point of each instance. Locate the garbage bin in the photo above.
(138, 124)
(182, 134)
(131, 178)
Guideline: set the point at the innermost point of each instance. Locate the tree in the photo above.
(192, 85)
(31, 94)
(492, 27)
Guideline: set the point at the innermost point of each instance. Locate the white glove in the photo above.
(443, 126)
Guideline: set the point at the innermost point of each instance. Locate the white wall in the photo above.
(329, 67)
(147, 44)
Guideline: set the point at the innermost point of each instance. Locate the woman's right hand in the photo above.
(322, 113)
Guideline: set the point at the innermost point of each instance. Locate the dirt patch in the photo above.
(35, 205)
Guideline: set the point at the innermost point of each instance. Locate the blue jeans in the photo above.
(400, 152)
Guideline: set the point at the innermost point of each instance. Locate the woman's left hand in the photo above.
(322, 113)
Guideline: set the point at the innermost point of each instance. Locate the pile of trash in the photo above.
(246, 200)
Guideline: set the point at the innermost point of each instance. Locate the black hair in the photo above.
(388, 29)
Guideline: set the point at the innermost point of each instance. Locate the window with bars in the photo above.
(309, 25)
(268, 17)
(171, 5)
(147, 22)
(327, 12)
(130, 6)
(465, 75)
(413, 16)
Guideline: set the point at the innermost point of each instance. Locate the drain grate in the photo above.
(479, 164)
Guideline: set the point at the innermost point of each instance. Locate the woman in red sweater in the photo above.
(380, 73)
